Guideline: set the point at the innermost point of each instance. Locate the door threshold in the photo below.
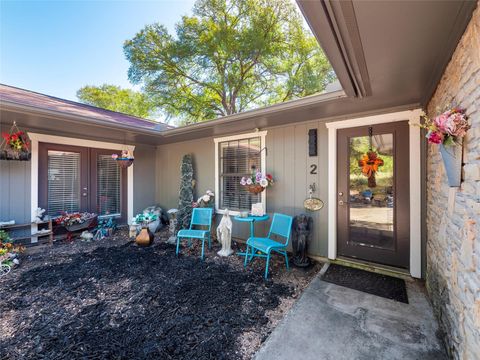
(373, 267)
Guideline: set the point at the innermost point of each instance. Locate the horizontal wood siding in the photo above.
(288, 162)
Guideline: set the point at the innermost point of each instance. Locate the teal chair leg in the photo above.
(203, 247)
(189, 242)
(286, 260)
(178, 245)
(246, 257)
(266, 267)
(209, 241)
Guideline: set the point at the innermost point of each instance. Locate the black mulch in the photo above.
(372, 283)
(126, 302)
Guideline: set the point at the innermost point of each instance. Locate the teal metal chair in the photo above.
(200, 217)
(282, 227)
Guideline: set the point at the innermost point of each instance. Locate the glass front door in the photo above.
(373, 192)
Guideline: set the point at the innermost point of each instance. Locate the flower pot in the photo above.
(124, 162)
(255, 189)
(452, 160)
(15, 155)
(145, 237)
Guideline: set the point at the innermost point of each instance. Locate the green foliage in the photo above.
(115, 98)
(229, 56)
(358, 148)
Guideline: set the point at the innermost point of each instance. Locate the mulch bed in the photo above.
(113, 299)
(372, 283)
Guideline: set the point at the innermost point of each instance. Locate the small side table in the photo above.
(252, 220)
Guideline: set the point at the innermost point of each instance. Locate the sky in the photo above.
(56, 47)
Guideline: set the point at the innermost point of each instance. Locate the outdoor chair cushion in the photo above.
(198, 234)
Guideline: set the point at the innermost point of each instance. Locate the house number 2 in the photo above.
(313, 169)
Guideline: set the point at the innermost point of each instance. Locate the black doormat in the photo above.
(372, 283)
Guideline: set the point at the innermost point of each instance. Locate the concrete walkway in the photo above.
(334, 322)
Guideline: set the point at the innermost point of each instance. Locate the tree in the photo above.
(115, 98)
(229, 56)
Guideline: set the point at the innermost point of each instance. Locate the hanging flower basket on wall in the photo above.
(15, 145)
(124, 163)
(125, 160)
(448, 130)
(452, 160)
(255, 189)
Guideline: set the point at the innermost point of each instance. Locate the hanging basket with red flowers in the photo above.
(15, 145)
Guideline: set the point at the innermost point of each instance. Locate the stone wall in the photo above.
(453, 245)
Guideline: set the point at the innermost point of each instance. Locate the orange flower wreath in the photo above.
(370, 163)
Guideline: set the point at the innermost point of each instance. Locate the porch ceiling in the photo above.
(388, 55)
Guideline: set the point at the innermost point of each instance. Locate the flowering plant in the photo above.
(446, 128)
(257, 179)
(67, 219)
(9, 251)
(205, 201)
(17, 141)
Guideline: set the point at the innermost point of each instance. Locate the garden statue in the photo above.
(172, 227)
(38, 214)
(302, 235)
(224, 235)
(185, 195)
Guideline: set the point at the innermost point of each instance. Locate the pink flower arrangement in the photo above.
(447, 128)
(257, 178)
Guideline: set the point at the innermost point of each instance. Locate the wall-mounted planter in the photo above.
(452, 160)
(15, 155)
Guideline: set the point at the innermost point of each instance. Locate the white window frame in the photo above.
(36, 138)
(263, 163)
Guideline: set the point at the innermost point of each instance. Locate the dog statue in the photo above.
(302, 235)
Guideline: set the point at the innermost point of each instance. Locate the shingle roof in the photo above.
(51, 103)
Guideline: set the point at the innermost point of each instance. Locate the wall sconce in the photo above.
(312, 142)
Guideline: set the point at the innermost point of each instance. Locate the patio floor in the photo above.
(334, 322)
(113, 299)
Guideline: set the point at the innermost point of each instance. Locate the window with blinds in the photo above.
(108, 186)
(63, 182)
(236, 159)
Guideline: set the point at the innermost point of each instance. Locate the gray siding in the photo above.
(144, 177)
(15, 191)
(287, 161)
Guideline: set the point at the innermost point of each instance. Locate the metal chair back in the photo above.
(281, 226)
(202, 217)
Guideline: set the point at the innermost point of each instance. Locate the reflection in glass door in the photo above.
(371, 207)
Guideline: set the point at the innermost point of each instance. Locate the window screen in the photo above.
(236, 160)
(63, 182)
(108, 186)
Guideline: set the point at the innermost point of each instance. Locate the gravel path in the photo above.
(113, 299)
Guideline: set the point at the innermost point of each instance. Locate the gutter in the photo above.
(288, 105)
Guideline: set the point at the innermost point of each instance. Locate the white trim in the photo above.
(263, 164)
(61, 140)
(413, 116)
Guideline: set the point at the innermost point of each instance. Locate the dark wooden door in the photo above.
(373, 215)
(63, 174)
(73, 178)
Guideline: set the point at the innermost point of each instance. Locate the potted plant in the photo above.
(15, 145)
(257, 182)
(447, 130)
(145, 237)
(125, 160)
